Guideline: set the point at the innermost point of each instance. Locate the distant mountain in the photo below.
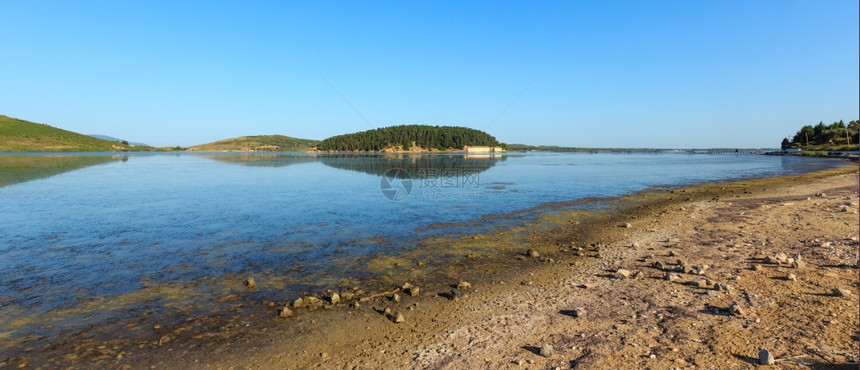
(261, 143)
(23, 136)
(111, 138)
(405, 137)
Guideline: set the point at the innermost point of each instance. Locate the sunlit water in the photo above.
(77, 228)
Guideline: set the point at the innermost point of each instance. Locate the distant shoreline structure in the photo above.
(483, 149)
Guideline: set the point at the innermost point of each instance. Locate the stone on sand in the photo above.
(839, 292)
(764, 357)
(285, 312)
(464, 285)
(622, 274)
(250, 284)
(547, 350)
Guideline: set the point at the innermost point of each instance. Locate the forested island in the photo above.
(836, 136)
(409, 138)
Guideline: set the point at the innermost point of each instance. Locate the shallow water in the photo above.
(85, 235)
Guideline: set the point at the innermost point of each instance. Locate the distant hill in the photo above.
(111, 138)
(262, 143)
(406, 137)
(23, 136)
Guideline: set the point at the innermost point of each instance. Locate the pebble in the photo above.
(672, 277)
(298, 303)
(757, 268)
(657, 265)
(791, 277)
(250, 284)
(547, 351)
(764, 357)
(533, 253)
(736, 310)
(578, 312)
(638, 275)
(626, 225)
(839, 292)
(622, 274)
(411, 289)
(673, 254)
(463, 285)
(398, 317)
(526, 282)
(396, 298)
(285, 312)
(334, 298)
(457, 294)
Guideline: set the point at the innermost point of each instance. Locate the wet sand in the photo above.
(518, 303)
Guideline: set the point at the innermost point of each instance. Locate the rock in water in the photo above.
(533, 253)
(547, 350)
(285, 312)
(764, 357)
(463, 285)
(250, 284)
(622, 274)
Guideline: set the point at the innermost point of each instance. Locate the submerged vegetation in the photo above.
(404, 137)
(836, 136)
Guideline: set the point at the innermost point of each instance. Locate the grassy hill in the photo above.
(23, 136)
(406, 137)
(262, 143)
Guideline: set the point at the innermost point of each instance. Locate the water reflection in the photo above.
(415, 166)
(261, 160)
(16, 169)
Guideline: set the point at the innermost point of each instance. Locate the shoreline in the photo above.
(340, 336)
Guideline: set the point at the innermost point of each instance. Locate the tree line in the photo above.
(404, 136)
(836, 134)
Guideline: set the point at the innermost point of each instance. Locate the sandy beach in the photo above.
(697, 277)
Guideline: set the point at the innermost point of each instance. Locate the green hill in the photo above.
(262, 143)
(23, 136)
(833, 137)
(406, 136)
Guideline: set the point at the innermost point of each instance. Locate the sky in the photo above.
(656, 74)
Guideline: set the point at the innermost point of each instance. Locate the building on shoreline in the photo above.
(482, 149)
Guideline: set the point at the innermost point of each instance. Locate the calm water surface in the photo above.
(77, 229)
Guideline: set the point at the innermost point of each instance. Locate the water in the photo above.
(80, 231)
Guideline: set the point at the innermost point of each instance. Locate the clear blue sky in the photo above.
(574, 73)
